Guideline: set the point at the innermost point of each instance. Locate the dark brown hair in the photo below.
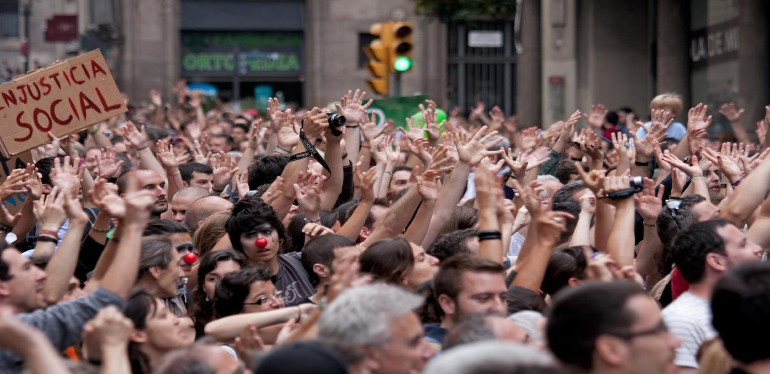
(388, 260)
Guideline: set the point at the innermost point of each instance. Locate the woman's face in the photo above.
(164, 331)
(262, 297)
(425, 267)
(266, 254)
(211, 279)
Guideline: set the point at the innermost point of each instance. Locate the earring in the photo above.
(207, 297)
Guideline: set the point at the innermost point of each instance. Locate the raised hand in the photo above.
(166, 155)
(427, 184)
(659, 157)
(474, 150)
(51, 149)
(315, 123)
(762, 132)
(66, 176)
(528, 138)
(155, 98)
(697, 118)
(105, 196)
(725, 163)
(74, 209)
(353, 107)
(624, 149)
(588, 204)
(518, 165)
(431, 124)
(273, 191)
(50, 210)
(308, 193)
(729, 111)
(135, 137)
(488, 188)
(110, 328)
(418, 148)
(194, 131)
(648, 203)
(497, 118)
(440, 161)
(288, 137)
(415, 131)
(551, 225)
(224, 169)
(596, 116)
(477, 111)
(106, 165)
(314, 230)
(369, 127)
(255, 138)
(364, 181)
(14, 184)
(249, 341)
(277, 116)
(593, 180)
(387, 149)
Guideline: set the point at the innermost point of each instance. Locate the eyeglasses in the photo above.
(267, 300)
(630, 335)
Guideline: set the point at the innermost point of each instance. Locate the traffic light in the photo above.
(378, 54)
(400, 48)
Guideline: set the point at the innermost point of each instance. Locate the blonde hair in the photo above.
(713, 358)
(671, 101)
(210, 231)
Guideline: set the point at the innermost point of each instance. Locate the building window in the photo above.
(9, 18)
(363, 40)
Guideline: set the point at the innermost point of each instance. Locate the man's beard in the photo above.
(716, 197)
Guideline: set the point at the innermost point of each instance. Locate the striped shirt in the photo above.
(689, 318)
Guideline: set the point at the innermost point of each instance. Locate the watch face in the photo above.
(10, 238)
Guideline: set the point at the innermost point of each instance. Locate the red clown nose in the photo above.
(261, 242)
(190, 258)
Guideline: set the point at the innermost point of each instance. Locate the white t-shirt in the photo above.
(689, 318)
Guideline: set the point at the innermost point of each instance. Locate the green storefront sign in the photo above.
(247, 54)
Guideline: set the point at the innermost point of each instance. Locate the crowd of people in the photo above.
(173, 239)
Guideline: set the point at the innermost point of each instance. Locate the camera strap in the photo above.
(310, 152)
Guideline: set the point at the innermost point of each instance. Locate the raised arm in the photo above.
(488, 196)
(748, 194)
(50, 214)
(649, 204)
(582, 233)
(427, 187)
(354, 111)
(734, 116)
(138, 139)
(333, 157)
(170, 164)
(620, 244)
(395, 219)
(61, 267)
(365, 182)
(469, 154)
(531, 269)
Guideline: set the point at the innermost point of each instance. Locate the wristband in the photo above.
(100, 230)
(283, 149)
(5, 229)
(736, 183)
(46, 238)
(576, 159)
(177, 172)
(314, 220)
(490, 235)
(697, 177)
(637, 163)
(351, 127)
(648, 224)
(52, 234)
(365, 145)
(94, 131)
(142, 148)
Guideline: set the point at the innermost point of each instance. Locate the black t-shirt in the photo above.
(292, 279)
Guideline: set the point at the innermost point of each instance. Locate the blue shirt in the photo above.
(676, 131)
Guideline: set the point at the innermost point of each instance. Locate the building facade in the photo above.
(557, 56)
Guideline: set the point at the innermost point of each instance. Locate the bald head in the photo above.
(183, 199)
(202, 208)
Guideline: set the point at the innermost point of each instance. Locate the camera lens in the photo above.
(336, 121)
(637, 182)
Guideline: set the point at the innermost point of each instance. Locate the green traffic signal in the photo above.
(402, 64)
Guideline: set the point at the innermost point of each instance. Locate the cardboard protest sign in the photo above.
(14, 202)
(62, 98)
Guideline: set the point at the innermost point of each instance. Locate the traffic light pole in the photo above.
(396, 78)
